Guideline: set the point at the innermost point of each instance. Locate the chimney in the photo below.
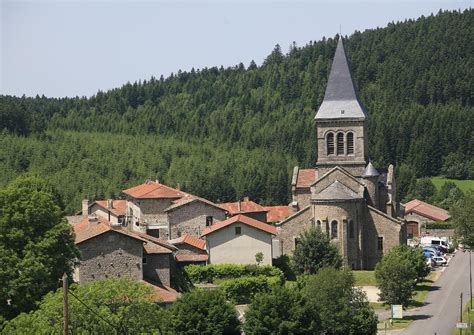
(178, 187)
(85, 207)
(246, 199)
(239, 206)
(110, 204)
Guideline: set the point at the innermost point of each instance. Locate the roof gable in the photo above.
(336, 191)
(246, 206)
(240, 219)
(340, 99)
(118, 206)
(189, 199)
(337, 173)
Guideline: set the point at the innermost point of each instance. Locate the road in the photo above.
(441, 310)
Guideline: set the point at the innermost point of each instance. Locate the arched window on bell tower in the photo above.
(330, 144)
(350, 143)
(340, 143)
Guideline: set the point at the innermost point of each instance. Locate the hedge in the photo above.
(210, 273)
(439, 225)
(243, 289)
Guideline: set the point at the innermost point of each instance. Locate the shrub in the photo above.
(242, 290)
(439, 225)
(210, 273)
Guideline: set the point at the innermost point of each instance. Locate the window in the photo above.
(351, 229)
(330, 144)
(153, 232)
(340, 144)
(380, 243)
(238, 230)
(144, 260)
(334, 229)
(209, 221)
(318, 224)
(350, 143)
(296, 241)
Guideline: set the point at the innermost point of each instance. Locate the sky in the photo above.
(75, 48)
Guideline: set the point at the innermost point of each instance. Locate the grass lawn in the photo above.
(396, 324)
(465, 318)
(364, 278)
(464, 185)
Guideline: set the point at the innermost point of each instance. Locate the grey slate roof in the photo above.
(336, 191)
(370, 171)
(340, 100)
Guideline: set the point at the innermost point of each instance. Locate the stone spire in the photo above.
(340, 100)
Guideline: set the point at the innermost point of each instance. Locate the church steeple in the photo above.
(341, 100)
(341, 121)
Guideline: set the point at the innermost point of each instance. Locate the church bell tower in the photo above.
(341, 121)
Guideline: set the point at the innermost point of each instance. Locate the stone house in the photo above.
(113, 210)
(167, 213)
(418, 212)
(238, 239)
(110, 250)
(344, 195)
(246, 207)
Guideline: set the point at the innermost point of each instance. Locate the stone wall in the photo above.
(292, 227)
(259, 216)
(191, 218)
(302, 196)
(110, 255)
(157, 268)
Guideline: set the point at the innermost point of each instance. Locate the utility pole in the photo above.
(470, 278)
(460, 314)
(65, 305)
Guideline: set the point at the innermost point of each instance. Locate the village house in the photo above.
(344, 196)
(238, 240)
(191, 250)
(168, 213)
(110, 250)
(418, 212)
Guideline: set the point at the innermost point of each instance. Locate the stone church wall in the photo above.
(292, 227)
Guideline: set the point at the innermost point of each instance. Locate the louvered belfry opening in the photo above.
(340, 144)
(350, 143)
(330, 144)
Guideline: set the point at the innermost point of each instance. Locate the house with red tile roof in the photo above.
(111, 250)
(238, 239)
(168, 213)
(246, 207)
(418, 212)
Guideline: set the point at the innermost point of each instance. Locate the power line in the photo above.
(94, 312)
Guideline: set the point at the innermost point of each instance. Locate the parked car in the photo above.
(440, 261)
(433, 240)
(432, 250)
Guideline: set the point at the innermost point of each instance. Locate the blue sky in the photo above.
(69, 48)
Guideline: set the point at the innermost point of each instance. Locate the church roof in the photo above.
(370, 171)
(336, 191)
(340, 100)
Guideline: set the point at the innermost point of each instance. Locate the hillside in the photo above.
(224, 133)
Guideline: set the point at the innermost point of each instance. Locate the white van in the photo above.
(433, 240)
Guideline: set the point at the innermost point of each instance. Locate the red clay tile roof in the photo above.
(246, 206)
(162, 293)
(153, 190)
(277, 213)
(191, 240)
(118, 206)
(424, 209)
(86, 230)
(242, 219)
(191, 257)
(306, 177)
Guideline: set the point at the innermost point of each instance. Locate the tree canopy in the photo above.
(36, 245)
(314, 251)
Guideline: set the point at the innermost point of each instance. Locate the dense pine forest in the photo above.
(223, 133)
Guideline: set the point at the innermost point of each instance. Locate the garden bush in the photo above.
(212, 272)
(242, 290)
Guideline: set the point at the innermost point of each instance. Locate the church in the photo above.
(344, 196)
